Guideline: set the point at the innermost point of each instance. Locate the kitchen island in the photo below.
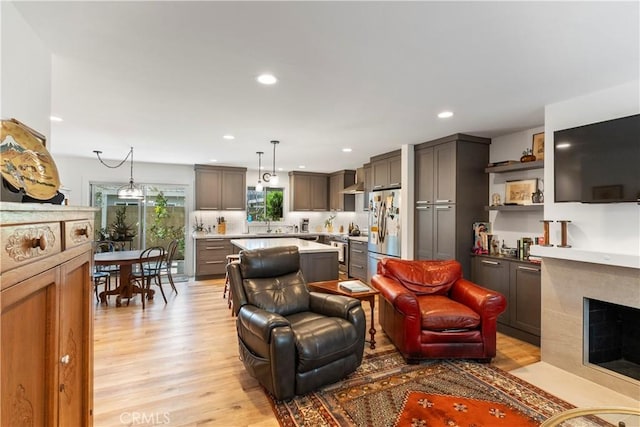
(318, 262)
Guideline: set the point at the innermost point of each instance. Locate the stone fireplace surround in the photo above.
(565, 284)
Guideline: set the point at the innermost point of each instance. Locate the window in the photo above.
(264, 205)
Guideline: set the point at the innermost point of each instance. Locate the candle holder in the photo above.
(545, 226)
(563, 233)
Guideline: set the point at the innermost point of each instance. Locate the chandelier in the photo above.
(128, 191)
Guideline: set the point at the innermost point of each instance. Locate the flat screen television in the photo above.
(598, 162)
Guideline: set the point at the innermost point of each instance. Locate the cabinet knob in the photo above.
(65, 359)
(82, 231)
(40, 242)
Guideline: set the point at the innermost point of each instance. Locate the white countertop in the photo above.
(596, 257)
(304, 246)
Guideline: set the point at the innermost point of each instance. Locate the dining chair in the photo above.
(101, 274)
(148, 272)
(171, 253)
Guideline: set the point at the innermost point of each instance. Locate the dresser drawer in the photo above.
(22, 244)
(77, 233)
(211, 267)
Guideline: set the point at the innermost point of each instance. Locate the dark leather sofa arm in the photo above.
(332, 305)
(260, 322)
(483, 301)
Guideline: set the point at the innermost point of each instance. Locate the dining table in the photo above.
(125, 261)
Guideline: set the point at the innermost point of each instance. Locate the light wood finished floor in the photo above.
(177, 364)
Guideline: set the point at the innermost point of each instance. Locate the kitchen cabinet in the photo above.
(519, 282)
(46, 315)
(358, 259)
(386, 171)
(339, 201)
(220, 188)
(451, 189)
(211, 257)
(368, 185)
(308, 191)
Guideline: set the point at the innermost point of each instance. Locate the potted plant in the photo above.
(120, 230)
(328, 223)
(198, 227)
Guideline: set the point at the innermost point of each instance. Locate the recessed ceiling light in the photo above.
(267, 79)
(445, 114)
(229, 136)
(563, 145)
(55, 119)
(280, 169)
(213, 160)
(302, 166)
(347, 150)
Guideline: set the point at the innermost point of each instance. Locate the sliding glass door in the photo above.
(155, 220)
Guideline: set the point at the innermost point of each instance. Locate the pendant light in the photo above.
(259, 186)
(272, 178)
(128, 191)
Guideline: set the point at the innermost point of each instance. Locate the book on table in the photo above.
(354, 286)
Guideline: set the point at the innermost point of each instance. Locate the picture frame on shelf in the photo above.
(519, 192)
(537, 146)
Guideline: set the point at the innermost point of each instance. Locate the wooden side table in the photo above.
(332, 287)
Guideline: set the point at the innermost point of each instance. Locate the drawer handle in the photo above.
(40, 242)
(395, 183)
(357, 266)
(422, 202)
(214, 247)
(484, 261)
(208, 209)
(82, 231)
(443, 201)
(423, 208)
(357, 251)
(443, 207)
(215, 262)
(522, 267)
(65, 359)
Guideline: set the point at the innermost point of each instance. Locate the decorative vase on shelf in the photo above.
(528, 158)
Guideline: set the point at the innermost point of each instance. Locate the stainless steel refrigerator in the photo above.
(384, 227)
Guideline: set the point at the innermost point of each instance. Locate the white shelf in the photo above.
(573, 254)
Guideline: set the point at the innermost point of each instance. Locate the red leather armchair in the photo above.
(429, 311)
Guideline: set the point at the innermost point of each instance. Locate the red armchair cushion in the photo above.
(439, 313)
(422, 277)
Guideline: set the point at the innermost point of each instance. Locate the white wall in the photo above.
(25, 79)
(613, 227)
(510, 226)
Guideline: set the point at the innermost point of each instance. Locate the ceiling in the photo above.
(171, 78)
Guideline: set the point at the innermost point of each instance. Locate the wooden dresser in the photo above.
(46, 315)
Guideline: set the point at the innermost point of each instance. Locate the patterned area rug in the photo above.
(385, 391)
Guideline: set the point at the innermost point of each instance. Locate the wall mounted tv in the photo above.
(598, 162)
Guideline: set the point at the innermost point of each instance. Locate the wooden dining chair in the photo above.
(148, 272)
(101, 275)
(171, 253)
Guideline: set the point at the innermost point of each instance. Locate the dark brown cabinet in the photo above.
(358, 259)
(386, 171)
(519, 282)
(46, 315)
(308, 191)
(211, 257)
(339, 201)
(451, 188)
(220, 188)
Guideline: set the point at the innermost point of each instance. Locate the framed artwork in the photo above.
(537, 146)
(519, 192)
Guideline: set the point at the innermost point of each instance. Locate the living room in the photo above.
(605, 238)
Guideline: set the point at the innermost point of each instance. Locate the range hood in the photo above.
(358, 187)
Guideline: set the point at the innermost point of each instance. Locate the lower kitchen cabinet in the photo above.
(358, 258)
(519, 282)
(211, 257)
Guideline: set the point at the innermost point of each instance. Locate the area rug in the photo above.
(385, 391)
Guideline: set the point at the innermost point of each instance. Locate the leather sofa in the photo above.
(292, 340)
(429, 310)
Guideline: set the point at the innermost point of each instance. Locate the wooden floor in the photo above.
(177, 364)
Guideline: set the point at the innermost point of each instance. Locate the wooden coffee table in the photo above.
(332, 287)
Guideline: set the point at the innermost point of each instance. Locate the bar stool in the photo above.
(230, 258)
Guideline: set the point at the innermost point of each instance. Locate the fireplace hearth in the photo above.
(613, 337)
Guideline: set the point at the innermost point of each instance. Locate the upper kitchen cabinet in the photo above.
(386, 170)
(308, 191)
(220, 188)
(338, 200)
(368, 185)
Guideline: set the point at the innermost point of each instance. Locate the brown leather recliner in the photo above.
(292, 340)
(429, 311)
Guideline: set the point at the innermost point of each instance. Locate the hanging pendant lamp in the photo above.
(272, 178)
(259, 186)
(130, 190)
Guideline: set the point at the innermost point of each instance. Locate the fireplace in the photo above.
(612, 333)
